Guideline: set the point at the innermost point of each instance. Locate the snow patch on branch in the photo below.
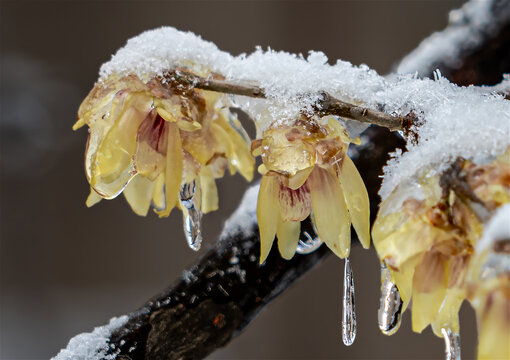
(468, 27)
(497, 229)
(91, 346)
(243, 221)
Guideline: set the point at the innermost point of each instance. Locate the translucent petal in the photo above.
(298, 179)
(151, 146)
(209, 190)
(93, 198)
(268, 213)
(111, 170)
(429, 290)
(158, 196)
(329, 211)
(356, 197)
(494, 326)
(138, 194)
(288, 237)
(173, 171)
(241, 157)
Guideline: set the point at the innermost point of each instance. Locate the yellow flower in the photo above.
(489, 288)
(426, 238)
(148, 139)
(306, 171)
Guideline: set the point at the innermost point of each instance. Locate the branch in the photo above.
(327, 105)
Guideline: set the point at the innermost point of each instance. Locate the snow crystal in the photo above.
(243, 220)
(91, 346)
(468, 27)
(155, 51)
(497, 229)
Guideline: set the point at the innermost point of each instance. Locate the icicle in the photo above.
(452, 344)
(309, 245)
(390, 308)
(190, 201)
(349, 310)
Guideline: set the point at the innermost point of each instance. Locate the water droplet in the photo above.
(390, 308)
(190, 201)
(452, 344)
(349, 306)
(308, 245)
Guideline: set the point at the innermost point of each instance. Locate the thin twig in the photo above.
(327, 105)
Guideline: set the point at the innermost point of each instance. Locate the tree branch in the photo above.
(327, 105)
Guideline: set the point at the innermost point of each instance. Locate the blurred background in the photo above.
(66, 268)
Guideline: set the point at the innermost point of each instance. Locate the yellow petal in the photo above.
(268, 213)
(494, 327)
(295, 205)
(138, 194)
(173, 171)
(356, 197)
(288, 237)
(158, 196)
(329, 211)
(209, 190)
(151, 146)
(93, 198)
(299, 178)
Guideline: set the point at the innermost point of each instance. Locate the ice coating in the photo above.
(467, 122)
(93, 345)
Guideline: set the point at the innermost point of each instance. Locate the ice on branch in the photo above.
(93, 345)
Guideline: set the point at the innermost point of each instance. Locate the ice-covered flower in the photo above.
(489, 287)
(426, 232)
(306, 172)
(148, 139)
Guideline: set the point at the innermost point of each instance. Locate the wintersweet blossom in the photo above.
(306, 172)
(426, 233)
(148, 139)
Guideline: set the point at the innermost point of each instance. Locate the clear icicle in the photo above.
(452, 344)
(309, 245)
(189, 197)
(349, 306)
(390, 308)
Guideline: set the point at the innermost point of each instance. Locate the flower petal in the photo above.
(209, 190)
(330, 214)
(93, 198)
(158, 196)
(288, 237)
(356, 197)
(173, 172)
(295, 205)
(151, 146)
(268, 213)
(138, 194)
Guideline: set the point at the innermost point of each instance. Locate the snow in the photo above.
(468, 122)
(91, 346)
(468, 27)
(497, 229)
(243, 220)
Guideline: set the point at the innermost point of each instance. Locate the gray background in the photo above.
(66, 269)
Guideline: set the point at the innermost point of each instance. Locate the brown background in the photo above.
(65, 268)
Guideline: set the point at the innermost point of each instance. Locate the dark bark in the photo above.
(226, 288)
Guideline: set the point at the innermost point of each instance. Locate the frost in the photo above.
(468, 27)
(470, 122)
(243, 220)
(497, 229)
(91, 346)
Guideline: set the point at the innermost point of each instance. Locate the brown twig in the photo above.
(327, 105)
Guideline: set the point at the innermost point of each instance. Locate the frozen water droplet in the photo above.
(349, 306)
(190, 201)
(308, 245)
(390, 308)
(452, 344)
